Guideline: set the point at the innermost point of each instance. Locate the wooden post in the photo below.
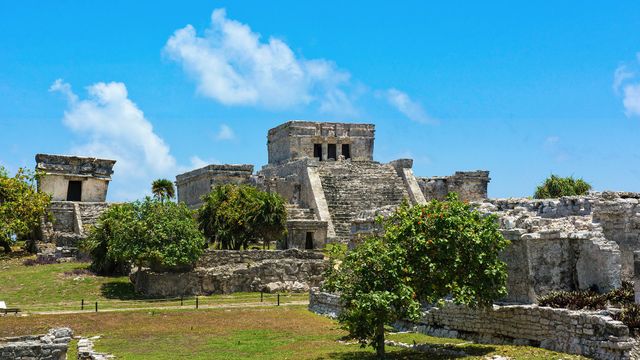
(96, 306)
(261, 296)
(278, 299)
(82, 305)
(196, 302)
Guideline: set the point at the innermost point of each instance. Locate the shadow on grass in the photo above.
(469, 350)
(119, 290)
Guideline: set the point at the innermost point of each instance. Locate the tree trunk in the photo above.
(380, 341)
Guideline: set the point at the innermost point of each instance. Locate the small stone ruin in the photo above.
(78, 188)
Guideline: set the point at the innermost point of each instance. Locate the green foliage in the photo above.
(163, 189)
(574, 300)
(372, 281)
(428, 252)
(623, 295)
(145, 233)
(630, 316)
(235, 216)
(589, 299)
(556, 186)
(22, 207)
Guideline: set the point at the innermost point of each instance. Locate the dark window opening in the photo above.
(308, 244)
(317, 151)
(346, 151)
(331, 151)
(74, 191)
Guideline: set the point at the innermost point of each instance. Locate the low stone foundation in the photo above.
(51, 346)
(227, 271)
(588, 333)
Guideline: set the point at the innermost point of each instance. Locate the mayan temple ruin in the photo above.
(334, 190)
(327, 174)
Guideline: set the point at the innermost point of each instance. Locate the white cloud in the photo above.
(115, 128)
(112, 126)
(225, 133)
(631, 100)
(234, 66)
(626, 84)
(621, 75)
(410, 108)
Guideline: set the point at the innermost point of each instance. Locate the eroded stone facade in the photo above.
(591, 333)
(229, 271)
(194, 184)
(74, 178)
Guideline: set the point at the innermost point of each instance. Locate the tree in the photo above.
(163, 235)
(556, 186)
(163, 189)
(427, 253)
(234, 216)
(22, 207)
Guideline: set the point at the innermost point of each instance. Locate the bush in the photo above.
(623, 295)
(22, 207)
(574, 300)
(235, 216)
(144, 233)
(630, 316)
(555, 187)
(427, 253)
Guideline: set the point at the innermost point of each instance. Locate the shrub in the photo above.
(144, 233)
(630, 316)
(574, 300)
(556, 186)
(21, 206)
(623, 295)
(236, 216)
(428, 252)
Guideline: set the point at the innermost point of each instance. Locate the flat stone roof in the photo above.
(218, 168)
(75, 165)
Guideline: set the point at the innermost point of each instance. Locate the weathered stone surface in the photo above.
(296, 139)
(194, 184)
(469, 185)
(51, 346)
(227, 271)
(58, 170)
(589, 333)
(86, 351)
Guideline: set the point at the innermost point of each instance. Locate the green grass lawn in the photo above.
(245, 333)
(63, 286)
(242, 332)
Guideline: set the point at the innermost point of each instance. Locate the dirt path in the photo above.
(190, 307)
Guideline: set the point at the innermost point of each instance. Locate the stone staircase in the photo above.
(294, 212)
(351, 187)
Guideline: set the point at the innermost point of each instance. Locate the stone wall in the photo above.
(194, 184)
(619, 215)
(51, 346)
(296, 139)
(469, 185)
(58, 170)
(555, 245)
(593, 334)
(228, 271)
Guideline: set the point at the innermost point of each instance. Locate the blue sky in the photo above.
(523, 90)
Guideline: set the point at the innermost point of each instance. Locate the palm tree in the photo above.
(163, 189)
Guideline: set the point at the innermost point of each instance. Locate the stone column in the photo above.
(636, 276)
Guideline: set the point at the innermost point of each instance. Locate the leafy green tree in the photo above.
(145, 233)
(163, 189)
(444, 249)
(235, 216)
(22, 207)
(556, 186)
